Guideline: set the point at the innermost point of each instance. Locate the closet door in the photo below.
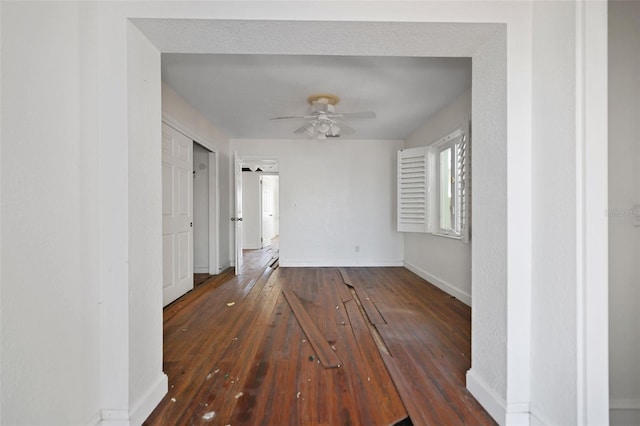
(177, 214)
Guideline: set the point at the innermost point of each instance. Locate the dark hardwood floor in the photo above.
(237, 355)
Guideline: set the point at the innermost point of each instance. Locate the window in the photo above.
(449, 158)
(446, 189)
(433, 188)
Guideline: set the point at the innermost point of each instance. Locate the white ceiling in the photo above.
(239, 93)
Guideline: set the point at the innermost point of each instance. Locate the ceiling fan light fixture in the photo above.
(323, 118)
(323, 128)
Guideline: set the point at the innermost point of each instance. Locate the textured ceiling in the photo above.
(239, 93)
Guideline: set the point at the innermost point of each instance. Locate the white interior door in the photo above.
(177, 214)
(237, 219)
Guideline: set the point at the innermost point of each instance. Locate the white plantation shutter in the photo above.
(412, 190)
(463, 188)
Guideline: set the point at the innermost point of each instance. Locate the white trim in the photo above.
(592, 358)
(145, 405)
(518, 414)
(115, 418)
(440, 283)
(95, 420)
(333, 264)
(536, 421)
(170, 121)
(201, 270)
(139, 411)
(491, 402)
(214, 215)
(624, 404)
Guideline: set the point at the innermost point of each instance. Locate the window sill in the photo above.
(449, 236)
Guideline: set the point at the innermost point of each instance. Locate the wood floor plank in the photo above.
(388, 402)
(375, 317)
(327, 356)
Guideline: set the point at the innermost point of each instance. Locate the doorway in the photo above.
(259, 204)
(205, 258)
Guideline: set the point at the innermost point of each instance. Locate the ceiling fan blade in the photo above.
(303, 128)
(355, 115)
(345, 129)
(288, 117)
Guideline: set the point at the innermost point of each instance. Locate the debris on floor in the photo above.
(208, 416)
(239, 394)
(231, 303)
(173, 400)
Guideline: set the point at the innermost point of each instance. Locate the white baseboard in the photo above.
(139, 411)
(536, 421)
(114, 417)
(288, 263)
(624, 412)
(440, 283)
(225, 265)
(624, 404)
(201, 269)
(145, 405)
(491, 402)
(518, 414)
(96, 419)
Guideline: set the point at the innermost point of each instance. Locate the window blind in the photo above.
(412, 190)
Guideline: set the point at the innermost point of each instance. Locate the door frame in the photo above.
(214, 193)
(242, 159)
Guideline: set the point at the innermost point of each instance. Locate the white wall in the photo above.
(334, 195)
(49, 349)
(445, 262)
(624, 193)
(145, 230)
(175, 108)
(251, 211)
(200, 209)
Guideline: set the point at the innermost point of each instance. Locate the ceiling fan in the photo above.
(324, 122)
